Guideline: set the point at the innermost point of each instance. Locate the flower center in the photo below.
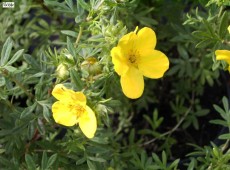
(133, 57)
(77, 109)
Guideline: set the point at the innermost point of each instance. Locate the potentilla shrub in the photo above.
(114, 84)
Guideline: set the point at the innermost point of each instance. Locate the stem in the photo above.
(79, 36)
(225, 146)
(176, 126)
(6, 73)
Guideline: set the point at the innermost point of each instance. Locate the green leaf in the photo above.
(223, 25)
(71, 47)
(56, 4)
(4, 132)
(6, 50)
(156, 158)
(44, 161)
(31, 130)
(164, 158)
(46, 113)
(51, 160)
(209, 27)
(18, 128)
(31, 61)
(224, 136)
(192, 164)
(96, 159)
(69, 33)
(11, 69)
(2, 81)
(27, 111)
(70, 4)
(225, 103)
(91, 165)
(30, 162)
(219, 122)
(174, 164)
(2, 151)
(43, 24)
(201, 35)
(16, 56)
(80, 161)
(83, 4)
(182, 51)
(220, 110)
(204, 43)
(76, 79)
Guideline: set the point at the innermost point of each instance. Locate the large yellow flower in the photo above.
(72, 109)
(135, 57)
(223, 55)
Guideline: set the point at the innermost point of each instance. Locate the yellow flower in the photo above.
(223, 55)
(229, 29)
(72, 109)
(135, 57)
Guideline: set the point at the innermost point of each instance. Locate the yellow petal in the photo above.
(127, 41)
(119, 61)
(63, 115)
(153, 64)
(223, 55)
(88, 123)
(65, 95)
(146, 39)
(136, 29)
(60, 92)
(229, 29)
(132, 83)
(79, 97)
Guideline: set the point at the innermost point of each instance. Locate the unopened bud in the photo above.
(91, 65)
(62, 71)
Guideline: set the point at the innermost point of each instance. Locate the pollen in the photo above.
(78, 109)
(133, 57)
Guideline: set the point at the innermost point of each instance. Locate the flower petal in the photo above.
(127, 41)
(119, 61)
(63, 115)
(223, 55)
(60, 92)
(153, 64)
(146, 39)
(88, 123)
(132, 83)
(65, 95)
(79, 97)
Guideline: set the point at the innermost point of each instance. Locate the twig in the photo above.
(175, 127)
(79, 36)
(19, 84)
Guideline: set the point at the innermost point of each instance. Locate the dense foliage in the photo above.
(181, 121)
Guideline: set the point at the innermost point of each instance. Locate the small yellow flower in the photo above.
(223, 55)
(72, 109)
(229, 29)
(135, 57)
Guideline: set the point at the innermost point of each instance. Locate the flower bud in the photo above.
(91, 65)
(62, 71)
